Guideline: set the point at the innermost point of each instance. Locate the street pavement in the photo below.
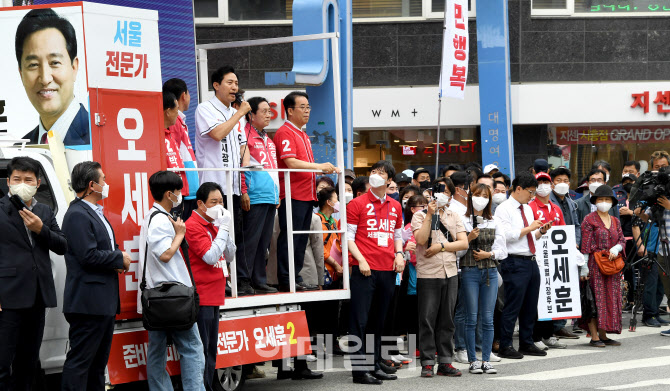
(642, 362)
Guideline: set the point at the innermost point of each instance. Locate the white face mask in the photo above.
(499, 198)
(404, 204)
(348, 197)
(604, 207)
(377, 181)
(543, 190)
(214, 212)
(607, 178)
(562, 188)
(105, 191)
(593, 186)
(442, 200)
(24, 191)
(479, 203)
(336, 207)
(176, 203)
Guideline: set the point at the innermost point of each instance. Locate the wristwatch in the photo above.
(399, 252)
(493, 256)
(442, 244)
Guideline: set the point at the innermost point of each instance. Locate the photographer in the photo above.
(439, 233)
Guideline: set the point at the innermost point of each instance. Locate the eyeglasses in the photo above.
(532, 192)
(303, 107)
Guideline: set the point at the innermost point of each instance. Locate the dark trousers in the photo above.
(302, 220)
(653, 292)
(367, 292)
(258, 224)
(437, 302)
(236, 212)
(543, 330)
(208, 326)
(90, 342)
(522, 288)
(20, 340)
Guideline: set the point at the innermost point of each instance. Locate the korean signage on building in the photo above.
(611, 134)
(559, 278)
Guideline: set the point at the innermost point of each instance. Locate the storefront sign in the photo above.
(642, 100)
(241, 341)
(455, 50)
(559, 278)
(495, 97)
(608, 135)
(408, 150)
(451, 148)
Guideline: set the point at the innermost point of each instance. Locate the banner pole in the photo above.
(437, 146)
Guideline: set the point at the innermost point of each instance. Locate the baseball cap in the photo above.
(489, 168)
(349, 173)
(409, 173)
(628, 176)
(400, 178)
(543, 175)
(541, 165)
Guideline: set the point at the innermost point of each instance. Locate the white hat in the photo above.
(409, 173)
(490, 168)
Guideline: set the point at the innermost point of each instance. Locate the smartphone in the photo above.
(17, 202)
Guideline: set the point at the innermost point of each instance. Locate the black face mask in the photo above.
(424, 184)
(628, 187)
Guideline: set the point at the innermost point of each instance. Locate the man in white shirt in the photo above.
(164, 262)
(520, 272)
(220, 142)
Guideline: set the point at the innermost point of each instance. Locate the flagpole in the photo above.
(439, 99)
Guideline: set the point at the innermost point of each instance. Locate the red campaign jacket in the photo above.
(173, 157)
(209, 280)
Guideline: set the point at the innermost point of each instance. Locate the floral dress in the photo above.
(606, 289)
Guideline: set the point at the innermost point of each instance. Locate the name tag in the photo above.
(382, 239)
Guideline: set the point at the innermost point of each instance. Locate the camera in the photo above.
(648, 187)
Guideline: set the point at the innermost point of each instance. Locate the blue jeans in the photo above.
(479, 299)
(192, 360)
(459, 319)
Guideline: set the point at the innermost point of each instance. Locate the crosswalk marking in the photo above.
(645, 383)
(596, 369)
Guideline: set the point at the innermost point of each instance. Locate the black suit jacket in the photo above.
(25, 269)
(78, 134)
(92, 283)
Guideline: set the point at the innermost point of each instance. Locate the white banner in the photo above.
(559, 277)
(455, 52)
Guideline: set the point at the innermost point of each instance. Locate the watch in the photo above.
(442, 244)
(493, 256)
(399, 252)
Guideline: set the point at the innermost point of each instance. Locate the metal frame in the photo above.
(292, 296)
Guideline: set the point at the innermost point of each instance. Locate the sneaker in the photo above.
(427, 371)
(494, 358)
(310, 358)
(597, 344)
(401, 359)
(666, 333)
(461, 356)
(476, 368)
(540, 345)
(553, 342)
(565, 333)
(611, 342)
(488, 368)
(652, 322)
(661, 320)
(448, 370)
(509, 352)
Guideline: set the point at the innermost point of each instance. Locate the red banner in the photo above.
(128, 142)
(241, 341)
(608, 135)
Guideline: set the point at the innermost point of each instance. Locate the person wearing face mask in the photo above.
(602, 231)
(479, 275)
(162, 236)
(439, 234)
(595, 179)
(27, 286)
(422, 178)
(210, 248)
(406, 194)
(93, 255)
(392, 191)
(604, 166)
(460, 196)
(499, 195)
(332, 247)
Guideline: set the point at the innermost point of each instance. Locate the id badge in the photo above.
(382, 239)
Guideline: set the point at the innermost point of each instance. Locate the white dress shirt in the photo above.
(62, 124)
(508, 215)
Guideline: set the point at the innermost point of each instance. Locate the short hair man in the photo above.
(461, 184)
(179, 133)
(172, 146)
(92, 255)
(208, 243)
(450, 169)
(46, 50)
(487, 180)
(605, 166)
(295, 152)
(220, 142)
(26, 237)
(360, 185)
(595, 179)
(421, 178)
(499, 195)
(375, 243)
(519, 270)
(659, 159)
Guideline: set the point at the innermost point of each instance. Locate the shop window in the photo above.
(600, 8)
(414, 148)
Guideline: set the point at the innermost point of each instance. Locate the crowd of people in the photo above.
(449, 259)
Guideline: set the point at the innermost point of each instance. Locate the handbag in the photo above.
(606, 266)
(169, 305)
(588, 301)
